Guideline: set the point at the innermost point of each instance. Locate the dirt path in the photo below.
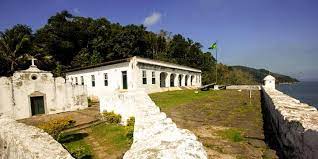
(82, 117)
(228, 124)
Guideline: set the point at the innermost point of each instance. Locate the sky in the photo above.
(279, 35)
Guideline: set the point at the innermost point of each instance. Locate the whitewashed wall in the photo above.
(134, 75)
(15, 93)
(114, 73)
(19, 141)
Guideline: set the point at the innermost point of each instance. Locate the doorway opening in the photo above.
(172, 77)
(37, 105)
(124, 79)
(163, 77)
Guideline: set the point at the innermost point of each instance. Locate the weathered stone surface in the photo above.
(19, 141)
(156, 136)
(295, 124)
(244, 87)
(57, 95)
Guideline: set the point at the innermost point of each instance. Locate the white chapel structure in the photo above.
(134, 73)
(33, 92)
(269, 82)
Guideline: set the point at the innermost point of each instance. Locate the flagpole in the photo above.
(216, 65)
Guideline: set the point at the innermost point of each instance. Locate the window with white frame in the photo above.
(76, 81)
(144, 77)
(82, 80)
(93, 80)
(105, 79)
(153, 77)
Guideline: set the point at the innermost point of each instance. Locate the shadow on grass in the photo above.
(71, 137)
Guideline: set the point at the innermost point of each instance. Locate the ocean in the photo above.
(306, 92)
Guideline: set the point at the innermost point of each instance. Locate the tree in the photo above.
(15, 45)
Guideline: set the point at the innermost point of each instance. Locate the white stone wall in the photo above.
(114, 73)
(155, 135)
(59, 96)
(19, 141)
(134, 70)
(295, 124)
(244, 87)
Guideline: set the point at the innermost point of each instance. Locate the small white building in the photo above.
(269, 82)
(134, 73)
(33, 91)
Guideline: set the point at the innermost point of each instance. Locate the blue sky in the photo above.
(280, 35)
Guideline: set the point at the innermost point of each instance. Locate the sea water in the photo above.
(306, 92)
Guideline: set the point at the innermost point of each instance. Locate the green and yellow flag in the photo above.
(213, 46)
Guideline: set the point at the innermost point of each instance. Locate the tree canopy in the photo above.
(72, 41)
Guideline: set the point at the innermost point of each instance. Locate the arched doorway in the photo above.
(163, 77)
(191, 79)
(180, 80)
(172, 77)
(186, 80)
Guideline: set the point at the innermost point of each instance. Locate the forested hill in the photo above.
(69, 41)
(259, 74)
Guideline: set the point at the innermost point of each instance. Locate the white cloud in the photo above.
(152, 19)
(76, 10)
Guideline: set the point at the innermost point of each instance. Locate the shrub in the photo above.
(130, 132)
(131, 121)
(111, 117)
(80, 152)
(55, 126)
(130, 128)
(89, 101)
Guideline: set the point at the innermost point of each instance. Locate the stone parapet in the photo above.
(19, 141)
(244, 87)
(155, 135)
(294, 124)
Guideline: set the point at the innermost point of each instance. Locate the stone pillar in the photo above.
(176, 80)
(168, 79)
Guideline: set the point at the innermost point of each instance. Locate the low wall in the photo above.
(18, 140)
(294, 124)
(155, 135)
(244, 87)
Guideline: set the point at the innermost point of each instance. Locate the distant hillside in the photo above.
(259, 74)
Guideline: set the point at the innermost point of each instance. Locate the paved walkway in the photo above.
(82, 117)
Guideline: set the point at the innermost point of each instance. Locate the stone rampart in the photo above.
(19, 141)
(294, 124)
(244, 87)
(155, 135)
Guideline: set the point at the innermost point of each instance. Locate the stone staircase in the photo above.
(157, 136)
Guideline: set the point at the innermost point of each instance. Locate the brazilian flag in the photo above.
(213, 46)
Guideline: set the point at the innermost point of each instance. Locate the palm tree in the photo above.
(15, 43)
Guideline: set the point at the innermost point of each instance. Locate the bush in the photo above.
(130, 132)
(131, 121)
(130, 128)
(89, 101)
(111, 117)
(80, 152)
(55, 126)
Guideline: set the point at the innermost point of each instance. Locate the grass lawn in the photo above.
(100, 141)
(227, 122)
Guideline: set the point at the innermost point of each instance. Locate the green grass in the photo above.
(74, 142)
(171, 99)
(231, 134)
(111, 139)
(112, 135)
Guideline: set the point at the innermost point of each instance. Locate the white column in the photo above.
(176, 80)
(168, 80)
